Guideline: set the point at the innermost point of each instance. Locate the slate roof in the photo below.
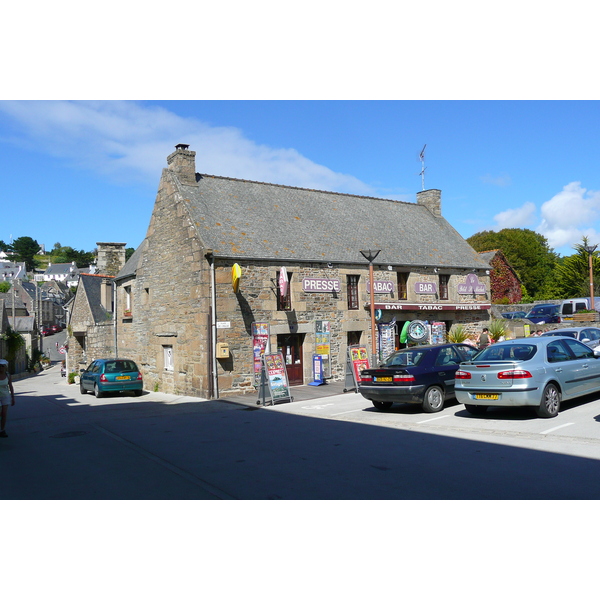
(61, 269)
(247, 219)
(90, 286)
(130, 267)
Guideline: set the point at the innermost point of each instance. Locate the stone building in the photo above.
(505, 285)
(180, 318)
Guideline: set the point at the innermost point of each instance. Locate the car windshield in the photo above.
(572, 334)
(507, 352)
(542, 310)
(404, 358)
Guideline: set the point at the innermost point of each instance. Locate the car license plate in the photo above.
(486, 396)
(382, 379)
(121, 377)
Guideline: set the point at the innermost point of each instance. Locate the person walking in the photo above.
(7, 395)
(483, 339)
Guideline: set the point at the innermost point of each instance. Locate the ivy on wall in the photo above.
(505, 286)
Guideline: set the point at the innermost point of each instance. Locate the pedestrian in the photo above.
(7, 395)
(483, 339)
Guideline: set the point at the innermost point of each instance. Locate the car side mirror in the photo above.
(585, 340)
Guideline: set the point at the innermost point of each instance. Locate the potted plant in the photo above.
(498, 329)
(457, 334)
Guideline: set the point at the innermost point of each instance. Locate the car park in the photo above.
(518, 314)
(590, 336)
(108, 375)
(540, 372)
(544, 313)
(418, 374)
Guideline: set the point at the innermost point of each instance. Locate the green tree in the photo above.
(14, 341)
(4, 247)
(4, 287)
(526, 251)
(573, 272)
(66, 254)
(25, 249)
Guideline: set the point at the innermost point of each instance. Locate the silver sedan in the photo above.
(590, 336)
(538, 371)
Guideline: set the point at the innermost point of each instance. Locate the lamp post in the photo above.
(590, 250)
(371, 255)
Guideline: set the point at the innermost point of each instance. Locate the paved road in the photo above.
(63, 445)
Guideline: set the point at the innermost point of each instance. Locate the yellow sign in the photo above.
(236, 275)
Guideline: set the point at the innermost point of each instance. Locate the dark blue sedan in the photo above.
(421, 374)
(111, 375)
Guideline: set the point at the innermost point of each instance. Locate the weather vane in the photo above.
(423, 167)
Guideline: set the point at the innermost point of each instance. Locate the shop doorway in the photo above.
(290, 345)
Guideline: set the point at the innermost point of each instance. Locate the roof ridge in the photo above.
(96, 275)
(294, 187)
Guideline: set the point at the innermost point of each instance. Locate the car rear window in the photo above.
(119, 366)
(508, 352)
(572, 334)
(404, 358)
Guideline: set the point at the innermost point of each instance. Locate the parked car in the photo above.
(590, 336)
(55, 328)
(518, 314)
(538, 371)
(111, 375)
(544, 313)
(421, 374)
(46, 331)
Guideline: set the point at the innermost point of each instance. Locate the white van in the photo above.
(569, 307)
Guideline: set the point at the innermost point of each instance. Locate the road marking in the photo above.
(434, 419)
(348, 412)
(555, 428)
(317, 407)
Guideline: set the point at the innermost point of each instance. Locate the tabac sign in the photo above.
(472, 285)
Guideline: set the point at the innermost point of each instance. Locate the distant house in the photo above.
(67, 273)
(10, 271)
(504, 280)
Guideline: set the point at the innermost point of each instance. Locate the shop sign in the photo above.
(381, 287)
(425, 287)
(472, 285)
(260, 342)
(310, 284)
(398, 306)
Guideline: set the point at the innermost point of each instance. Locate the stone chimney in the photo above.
(431, 199)
(111, 258)
(182, 162)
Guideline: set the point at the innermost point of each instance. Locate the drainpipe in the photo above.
(114, 286)
(213, 329)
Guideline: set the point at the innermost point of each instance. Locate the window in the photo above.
(168, 357)
(352, 284)
(285, 302)
(402, 285)
(127, 308)
(444, 287)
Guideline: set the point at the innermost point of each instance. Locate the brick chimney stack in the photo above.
(183, 163)
(432, 199)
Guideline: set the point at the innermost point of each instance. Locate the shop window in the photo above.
(402, 285)
(352, 285)
(354, 338)
(284, 302)
(444, 287)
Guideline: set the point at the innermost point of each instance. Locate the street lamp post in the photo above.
(371, 255)
(590, 250)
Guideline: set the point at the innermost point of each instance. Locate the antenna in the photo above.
(423, 167)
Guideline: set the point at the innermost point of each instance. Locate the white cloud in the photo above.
(501, 180)
(567, 216)
(130, 141)
(523, 216)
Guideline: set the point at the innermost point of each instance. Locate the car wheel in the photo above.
(82, 389)
(137, 392)
(434, 399)
(550, 403)
(97, 392)
(475, 409)
(382, 405)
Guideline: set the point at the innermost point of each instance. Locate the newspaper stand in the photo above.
(274, 385)
(356, 361)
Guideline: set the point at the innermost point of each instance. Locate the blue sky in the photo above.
(87, 171)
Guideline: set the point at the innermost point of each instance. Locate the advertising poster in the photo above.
(323, 345)
(260, 341)
(276, 376)
(386, 339)
(359, 360)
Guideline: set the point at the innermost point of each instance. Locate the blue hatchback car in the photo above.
(107, 375)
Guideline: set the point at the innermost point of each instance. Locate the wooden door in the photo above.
(291, 348)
